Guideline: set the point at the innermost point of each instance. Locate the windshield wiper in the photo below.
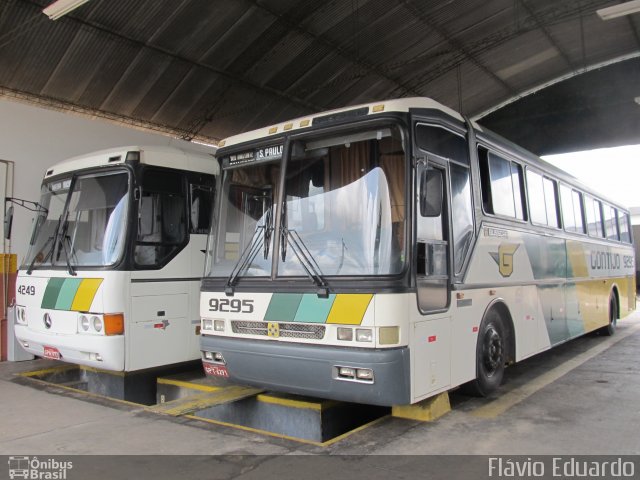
(62, 239)
(44, 259)
(59, 234)
(260, 236)
(52, 240)
(302, 253)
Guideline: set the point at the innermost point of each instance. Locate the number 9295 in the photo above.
(233, 305)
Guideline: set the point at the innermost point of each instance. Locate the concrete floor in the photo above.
(577, 399)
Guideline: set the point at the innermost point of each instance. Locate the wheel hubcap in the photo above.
(492, 351)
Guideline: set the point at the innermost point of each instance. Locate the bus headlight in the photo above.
(212, 325)
(345, 334)
(364, 335)
(97, 323)
(21, 315)
(101, 324)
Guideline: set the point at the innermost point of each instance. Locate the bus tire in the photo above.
(491, 356)
(610, 329)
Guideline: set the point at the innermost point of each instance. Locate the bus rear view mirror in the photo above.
(431, 192)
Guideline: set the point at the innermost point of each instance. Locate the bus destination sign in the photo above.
(257, 155)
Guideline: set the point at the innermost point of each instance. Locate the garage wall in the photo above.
(34, 138)
(635, 225)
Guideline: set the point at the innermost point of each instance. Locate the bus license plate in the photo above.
(52, 353)
(215, 370)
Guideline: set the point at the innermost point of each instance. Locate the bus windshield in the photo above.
(342, 211)
(82, 222)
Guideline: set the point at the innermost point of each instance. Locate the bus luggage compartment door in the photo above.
(159, 333)
(430, 356)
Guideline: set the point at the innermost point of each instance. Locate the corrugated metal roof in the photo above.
(213, 68)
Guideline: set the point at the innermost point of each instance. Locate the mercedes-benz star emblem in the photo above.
(47, 320)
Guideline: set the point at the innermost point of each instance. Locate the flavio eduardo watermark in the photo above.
(561, 467)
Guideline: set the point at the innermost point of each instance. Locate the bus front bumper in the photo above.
(313, 370)
(99, 351)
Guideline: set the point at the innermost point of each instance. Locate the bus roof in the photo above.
(197, 159)
(405, 105)
(373, 108)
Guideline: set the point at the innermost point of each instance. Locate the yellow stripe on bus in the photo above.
(349, 308)
(85, 294)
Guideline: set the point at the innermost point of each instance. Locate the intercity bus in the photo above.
(111, 279)
(385, 253)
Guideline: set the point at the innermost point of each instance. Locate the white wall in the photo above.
(35, 138)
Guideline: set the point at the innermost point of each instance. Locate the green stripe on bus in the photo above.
(313, 309)
(50, 296)
(67, 293)
(283, 307)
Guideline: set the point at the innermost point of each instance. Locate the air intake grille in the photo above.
(287, 330)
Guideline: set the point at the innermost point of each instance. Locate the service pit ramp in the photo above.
(294, 417)
(131, 387)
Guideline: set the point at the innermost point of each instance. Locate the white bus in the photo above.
(111, 279)
(385, 253)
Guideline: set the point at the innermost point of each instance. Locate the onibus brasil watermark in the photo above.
(561, 467)
(34, 468)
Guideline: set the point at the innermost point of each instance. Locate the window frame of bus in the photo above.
(565, 186)
(161, 262)
(483, 152)
(556, 191)
(625, 216)
(198, 182)
(613, 222)
(594, 202)
(458, 263)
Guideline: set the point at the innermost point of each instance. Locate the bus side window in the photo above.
(543, 203)
(623, 223)
(610, 223)
(594, 216)
(571, 202)
(201, 204)
(161, 218)
(502, 185)
(461, 214)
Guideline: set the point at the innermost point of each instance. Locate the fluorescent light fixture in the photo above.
(637, 100)
(620, 10)
(62, 7)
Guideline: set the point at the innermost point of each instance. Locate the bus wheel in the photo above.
(491, 352)
(613, 317)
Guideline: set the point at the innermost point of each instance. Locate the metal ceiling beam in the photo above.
(561, 12)
(343, 52)
(546, 33)
(457, 45)
(239, 80)
(634, 30)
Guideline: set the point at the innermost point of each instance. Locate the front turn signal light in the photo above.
(113, 323)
